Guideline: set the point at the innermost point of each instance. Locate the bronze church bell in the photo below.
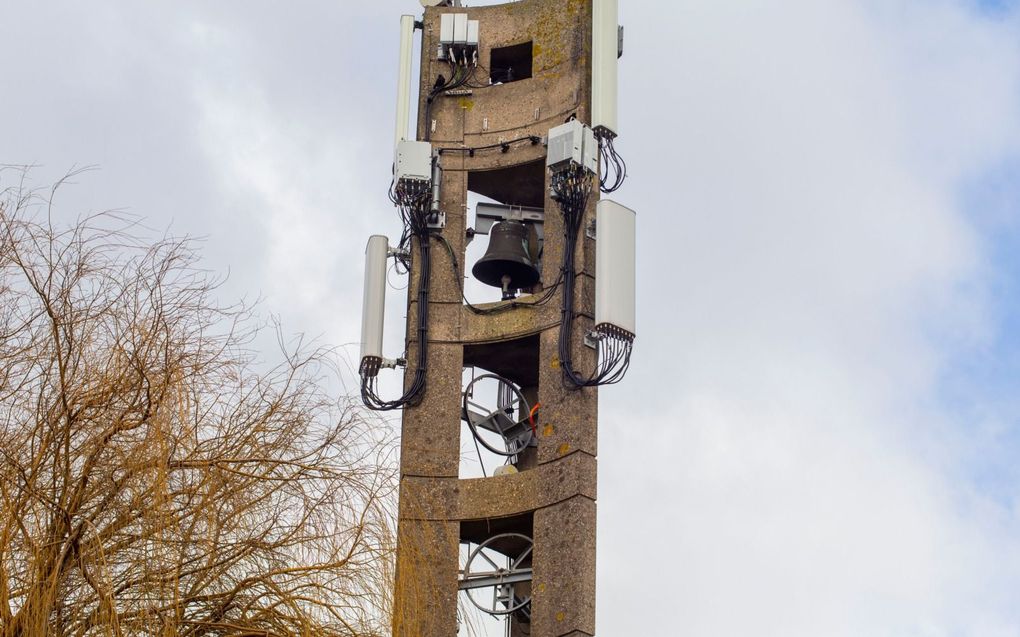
(509, 262)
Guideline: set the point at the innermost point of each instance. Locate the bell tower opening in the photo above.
(519, 185)
(510, 63)
(504, 253)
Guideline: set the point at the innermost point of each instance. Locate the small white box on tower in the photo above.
(458, 38)
(566, 146)
(446, 28)
(414, 161)
(460, 28)
(572, 144)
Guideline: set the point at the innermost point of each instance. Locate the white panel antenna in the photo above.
(404, 78)
(373, 307)
(615, 270)
(605, 52)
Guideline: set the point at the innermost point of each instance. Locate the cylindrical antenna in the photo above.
(373, 307)
(605, 51)
(614, 266)
(404, 78)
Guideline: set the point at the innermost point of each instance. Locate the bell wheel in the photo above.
(494, 571)
(496, 412)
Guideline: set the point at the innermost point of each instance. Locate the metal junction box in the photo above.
(414, 161)
(458, 36)
(572, 144)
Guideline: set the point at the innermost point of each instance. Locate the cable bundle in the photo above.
(413, 200)
(572, 188)
(503, 146)
(614, 169)
(461, 72)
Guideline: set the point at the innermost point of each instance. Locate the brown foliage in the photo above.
(151, 481)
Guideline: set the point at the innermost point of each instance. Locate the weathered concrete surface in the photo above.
(563, 588)
(480, 498)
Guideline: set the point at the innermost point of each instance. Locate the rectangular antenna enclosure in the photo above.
(460, 28)
(572, 144)
(590, 151)
(446, 28)
(373, 305)
(414, 161)
(615, 271)
(458, 36)
(566, 146)
(605, 50)
(404, 78)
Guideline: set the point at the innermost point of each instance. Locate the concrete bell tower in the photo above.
(504, 111)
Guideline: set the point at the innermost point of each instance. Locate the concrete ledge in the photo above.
(451, 499)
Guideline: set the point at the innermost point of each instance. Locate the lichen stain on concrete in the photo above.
(575, 6)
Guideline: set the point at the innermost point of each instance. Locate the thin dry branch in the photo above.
(152, 482)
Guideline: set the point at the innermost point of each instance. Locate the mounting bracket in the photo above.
(437, 220)
(489, 214)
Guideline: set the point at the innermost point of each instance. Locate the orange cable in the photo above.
(531, 418)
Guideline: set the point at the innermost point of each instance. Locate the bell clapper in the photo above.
(508, 293)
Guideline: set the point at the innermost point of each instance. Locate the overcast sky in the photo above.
(820, 431)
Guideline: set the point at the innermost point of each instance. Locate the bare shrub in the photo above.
(152, 482)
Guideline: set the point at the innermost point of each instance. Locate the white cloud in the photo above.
(798, 464)
(293, 182)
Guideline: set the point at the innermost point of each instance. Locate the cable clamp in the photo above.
(436, 220)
